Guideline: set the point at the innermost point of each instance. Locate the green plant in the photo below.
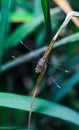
(20, 21)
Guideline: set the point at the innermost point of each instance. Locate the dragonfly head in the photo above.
(40, 65)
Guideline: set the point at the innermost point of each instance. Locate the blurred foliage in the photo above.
(35, 22)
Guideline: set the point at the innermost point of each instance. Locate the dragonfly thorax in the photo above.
(41, 63)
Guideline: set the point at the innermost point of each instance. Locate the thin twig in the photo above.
(66, 21)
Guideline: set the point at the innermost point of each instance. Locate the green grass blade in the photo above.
(26, 29)
(71, 38)
(39, 35)
(68, 85)
(22, 59)
(72, 62)
(19, 16)
(15, 128)
(40, 106)
(23, 31)
(46, 12)
(9, 128)
(37, 8)
(4, 24)
(24, 4)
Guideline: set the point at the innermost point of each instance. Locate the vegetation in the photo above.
(35, 22)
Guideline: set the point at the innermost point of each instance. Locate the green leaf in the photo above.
(37, 8)
(68, 85)
(23, 31)
(40, 106)
(24, 4)
(72, 62)
(20, 16)
(71, 38)
(9, 128)
(15, 128)
(46, 12)
(26, 29)
(22, 59)
(4, 24)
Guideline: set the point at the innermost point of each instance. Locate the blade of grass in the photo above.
(40, 106)
(23, 31)
(24, 58)
(68, 85)
(46, 12)
(71, 38)
(9, 128)
(15, 128)
(37, 8)
(38, 12)
(24, 4)
(4, 25)
(26, 29)
(20, 16)
(74, 61)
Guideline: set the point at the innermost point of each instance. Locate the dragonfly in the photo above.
(42, 63)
